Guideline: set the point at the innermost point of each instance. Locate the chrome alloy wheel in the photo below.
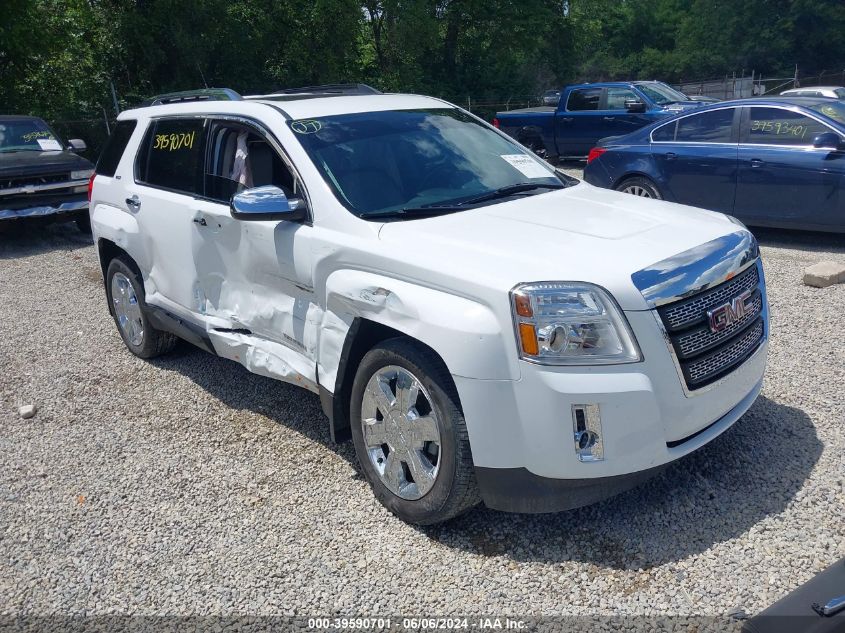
(401, 432)
(637, 190)
(126, 309)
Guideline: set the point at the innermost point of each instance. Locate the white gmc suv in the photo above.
(482, 326)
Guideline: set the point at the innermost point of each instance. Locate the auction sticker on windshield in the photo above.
(526, 165)
(48, 144)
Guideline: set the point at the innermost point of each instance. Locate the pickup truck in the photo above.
(589, 112)
(40, 176)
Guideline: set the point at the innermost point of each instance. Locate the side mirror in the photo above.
(634, 105)
(267, 203)
(828, 140)
(77, 145)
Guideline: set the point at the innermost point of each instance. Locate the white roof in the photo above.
(812, 88)
(348, 104)
(307, 108)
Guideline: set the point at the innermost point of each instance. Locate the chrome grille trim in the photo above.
(702, 357)
(691, 311)
(702, 338)
(720, 362)
(698, 269)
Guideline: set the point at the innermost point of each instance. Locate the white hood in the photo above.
(583, 233)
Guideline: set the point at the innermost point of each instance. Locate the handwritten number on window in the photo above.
(173, 142)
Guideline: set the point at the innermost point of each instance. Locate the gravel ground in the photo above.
(189, 486)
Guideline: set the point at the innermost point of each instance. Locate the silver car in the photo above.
(834, 92)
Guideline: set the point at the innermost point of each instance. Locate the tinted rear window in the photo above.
(665, 133)
(715, 126)
(171, 154)
(109, 159)
(584, 99)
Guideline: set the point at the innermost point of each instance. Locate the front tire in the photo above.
(640, 187)
(125, 293)
(410, 435)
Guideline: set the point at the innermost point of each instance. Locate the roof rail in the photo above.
(204, 94)
(326, 90)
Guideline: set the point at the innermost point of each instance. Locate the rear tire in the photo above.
(409, 434)
(125, 293)
(640, 187)
(536, 145)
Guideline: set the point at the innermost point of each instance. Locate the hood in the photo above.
(583, 233)
(28, 163)
(683, 106)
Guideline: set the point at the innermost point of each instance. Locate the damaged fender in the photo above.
(465, 333)
(115, 225)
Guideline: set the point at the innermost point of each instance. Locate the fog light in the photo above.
(586, 424)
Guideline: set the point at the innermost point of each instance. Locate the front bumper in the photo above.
(520, 490)
(44, 209)
(522, 435)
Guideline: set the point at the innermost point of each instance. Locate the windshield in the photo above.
(378, 162)
(19, 135)
(833, 109)
(662, 94)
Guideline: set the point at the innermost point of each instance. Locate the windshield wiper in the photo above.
(504, 192)
(431, 210)
(414, 212)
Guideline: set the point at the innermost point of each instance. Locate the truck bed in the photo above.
(528, 110)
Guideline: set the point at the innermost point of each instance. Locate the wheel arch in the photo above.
(107, 251)
(661, 187)
(528, 133)
(364, 334)
(365, 308)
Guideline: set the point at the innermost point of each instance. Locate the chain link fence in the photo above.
(733, 87)
(487, 108)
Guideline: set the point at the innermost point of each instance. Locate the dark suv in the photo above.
(41, 176)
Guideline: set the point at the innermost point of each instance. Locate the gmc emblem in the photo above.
(729, 313)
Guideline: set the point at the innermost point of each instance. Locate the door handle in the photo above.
(134, 203)
(200, 221)
(670, 155)
(756, 162)
(567, 119)
(608, 118)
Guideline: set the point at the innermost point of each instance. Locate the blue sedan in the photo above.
(776, 162)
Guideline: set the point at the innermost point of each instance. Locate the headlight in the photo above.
(563, 323)
(81, 174)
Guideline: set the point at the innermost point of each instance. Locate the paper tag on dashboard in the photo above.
(48, 144)
(527, 166)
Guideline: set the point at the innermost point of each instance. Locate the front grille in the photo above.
(715, 364)
(23, 181)
(686, 312)
(702, 338)
(704, 355)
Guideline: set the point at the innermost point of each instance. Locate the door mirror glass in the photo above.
(830, 140)
(634, 105)
(267, 203)
(77, 145)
